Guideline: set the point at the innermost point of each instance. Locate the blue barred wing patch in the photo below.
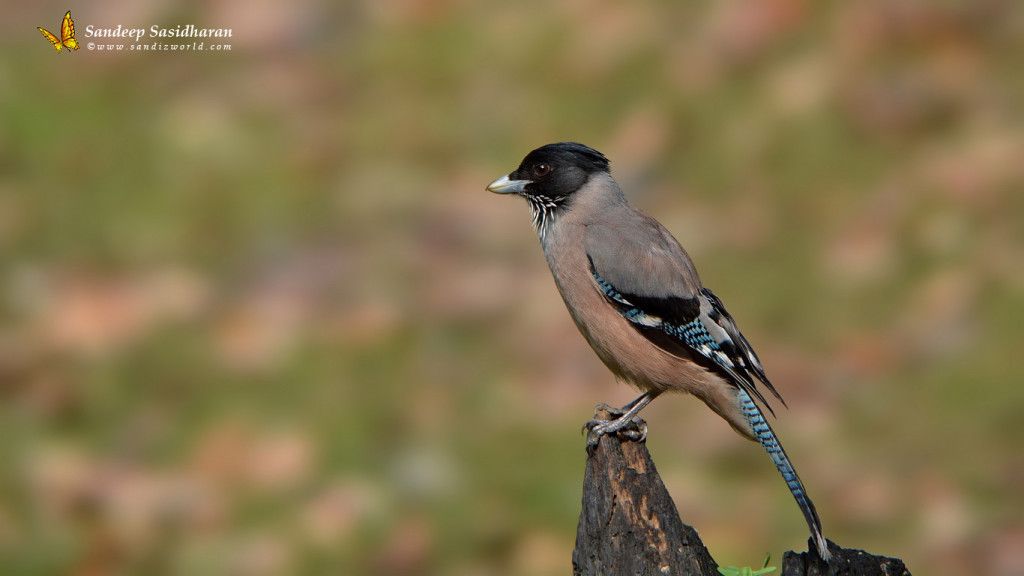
(695, 334)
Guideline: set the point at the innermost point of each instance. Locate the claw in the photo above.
(594, 429)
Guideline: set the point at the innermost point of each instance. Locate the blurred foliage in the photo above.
(260, 317)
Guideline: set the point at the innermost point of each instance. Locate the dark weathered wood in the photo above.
(845, 562)
(630, 525)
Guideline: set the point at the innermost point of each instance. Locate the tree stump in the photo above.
(629, 524)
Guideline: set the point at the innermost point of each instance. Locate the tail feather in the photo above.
(766, 436)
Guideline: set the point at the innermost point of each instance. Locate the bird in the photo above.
(634, 294)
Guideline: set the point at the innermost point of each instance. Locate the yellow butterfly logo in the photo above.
(67, 34)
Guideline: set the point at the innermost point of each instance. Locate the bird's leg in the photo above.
(623, 417)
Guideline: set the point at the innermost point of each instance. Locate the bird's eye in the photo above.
(541, 170)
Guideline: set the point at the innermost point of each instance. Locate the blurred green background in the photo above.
(259, 315)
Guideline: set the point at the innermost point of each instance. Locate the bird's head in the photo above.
(552, 171)
(550, 175)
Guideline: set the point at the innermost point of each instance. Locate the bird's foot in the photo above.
(626, 425)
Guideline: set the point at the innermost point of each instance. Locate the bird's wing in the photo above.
(643, 273)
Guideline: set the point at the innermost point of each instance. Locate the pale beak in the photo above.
(504, 185)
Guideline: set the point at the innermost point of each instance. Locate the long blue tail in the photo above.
(766, 436)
